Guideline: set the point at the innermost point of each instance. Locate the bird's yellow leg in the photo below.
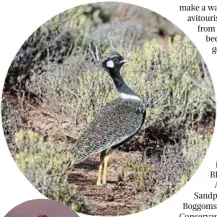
(102, 155)
(106, 158)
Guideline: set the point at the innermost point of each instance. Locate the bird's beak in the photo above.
(123, 61)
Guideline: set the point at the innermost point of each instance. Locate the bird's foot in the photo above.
(104, 183)
(99, 183)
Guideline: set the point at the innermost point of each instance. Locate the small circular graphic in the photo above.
(108, 108)
(41, 208)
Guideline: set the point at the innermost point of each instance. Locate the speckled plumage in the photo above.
(113, 124)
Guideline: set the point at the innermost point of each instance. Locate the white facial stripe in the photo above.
(128, 96)
(110, 64)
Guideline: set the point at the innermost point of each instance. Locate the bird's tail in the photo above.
(79, 155)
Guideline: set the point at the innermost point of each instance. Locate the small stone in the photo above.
(110, 197)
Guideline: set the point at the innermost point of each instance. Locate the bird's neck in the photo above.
(124, 90)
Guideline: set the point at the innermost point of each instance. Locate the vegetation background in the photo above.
(55, 84)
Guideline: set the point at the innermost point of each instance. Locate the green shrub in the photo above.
(163, 79)
(11, 122)
(136, 172)
(46, 167)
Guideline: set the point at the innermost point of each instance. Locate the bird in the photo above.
(114, 123)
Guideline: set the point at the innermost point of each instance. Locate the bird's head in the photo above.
(112, 62)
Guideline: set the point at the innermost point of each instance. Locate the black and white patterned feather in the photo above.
(112, 125)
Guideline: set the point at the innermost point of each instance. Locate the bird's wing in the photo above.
(113, 124)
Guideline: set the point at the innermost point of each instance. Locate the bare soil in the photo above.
(118, 197)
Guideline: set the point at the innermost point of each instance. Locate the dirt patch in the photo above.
(118, 197)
